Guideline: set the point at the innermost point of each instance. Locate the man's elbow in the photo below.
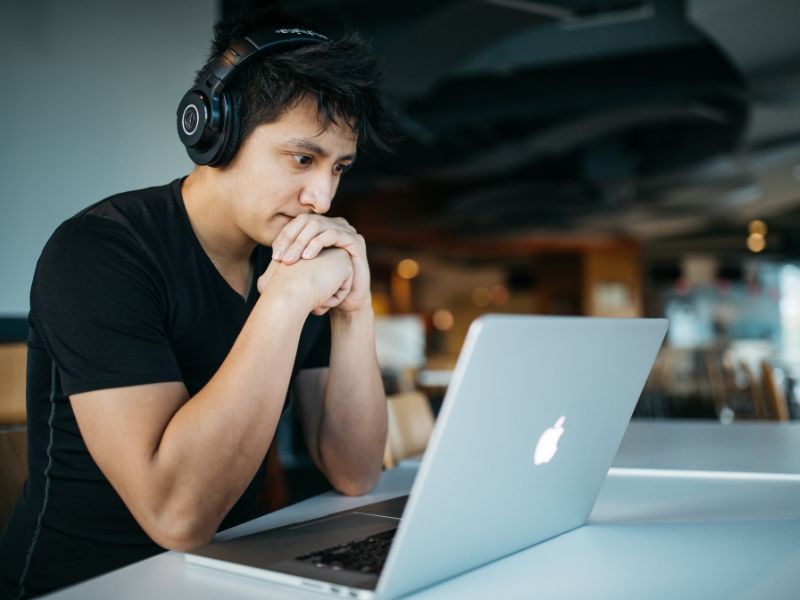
(356, 486)
(350, 488)
(350, 477)
(180, 533)
(183, 542)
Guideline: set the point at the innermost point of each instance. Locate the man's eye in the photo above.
(342, 167)
(302, 159)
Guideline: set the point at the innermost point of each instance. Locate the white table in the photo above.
(749, 447)
(652, 534)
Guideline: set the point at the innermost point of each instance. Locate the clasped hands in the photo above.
(326, 258)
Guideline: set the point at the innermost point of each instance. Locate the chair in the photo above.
(14, 468)
(717, 382)
(776, 398)
(13, 362)
(13, 435)
(410, 426)
(756, 392)
(275, 490)
(388, 458)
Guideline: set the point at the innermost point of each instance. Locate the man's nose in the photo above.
(318, 194)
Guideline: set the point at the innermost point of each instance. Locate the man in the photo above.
(168, 324)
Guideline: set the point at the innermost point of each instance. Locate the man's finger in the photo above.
(331, 238)
(340, 294)
(288, 234)
(295, 241)
(328, 237)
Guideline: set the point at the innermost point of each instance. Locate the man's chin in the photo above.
(271, 230)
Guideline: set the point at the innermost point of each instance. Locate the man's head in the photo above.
(303, 114)
(339, 76)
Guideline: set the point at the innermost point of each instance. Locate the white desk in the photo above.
(753, 447)
(647, 537)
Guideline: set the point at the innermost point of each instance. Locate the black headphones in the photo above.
(208, 123)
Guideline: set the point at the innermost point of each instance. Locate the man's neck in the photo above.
(228, 248)
(209, 213)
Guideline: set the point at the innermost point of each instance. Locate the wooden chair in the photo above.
(275, 491)
(388, 457)
(716, 381)
(410, 426)
(13, 435)
(756, 393)
(13, 363)
(775, 397)
(735, 389)
(13, 467)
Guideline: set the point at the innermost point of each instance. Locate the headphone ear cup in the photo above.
(230, 132)
(201, 121)
(193, 116)
(210, 149)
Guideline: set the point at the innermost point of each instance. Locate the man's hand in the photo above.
(343, 407)
(308, 234)
(324, 282)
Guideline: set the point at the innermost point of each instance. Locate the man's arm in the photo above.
(180, 463)
(343, 408)
(345, 428)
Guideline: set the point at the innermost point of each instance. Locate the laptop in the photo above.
(528, 429)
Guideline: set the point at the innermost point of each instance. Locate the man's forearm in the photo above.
(216, 441)
(353, 429)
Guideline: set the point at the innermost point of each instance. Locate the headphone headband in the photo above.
(244, 49)
(207, 123)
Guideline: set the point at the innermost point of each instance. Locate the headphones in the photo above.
(208, 122)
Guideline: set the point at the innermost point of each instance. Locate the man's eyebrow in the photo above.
(314, 148)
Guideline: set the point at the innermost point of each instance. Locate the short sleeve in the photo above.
(97, 303)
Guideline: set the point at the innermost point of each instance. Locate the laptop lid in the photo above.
(530, 424)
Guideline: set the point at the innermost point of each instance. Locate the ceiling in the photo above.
(533, 124)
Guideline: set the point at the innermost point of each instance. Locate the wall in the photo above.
(88, 109)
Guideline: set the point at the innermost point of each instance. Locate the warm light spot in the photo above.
(481, 296)
(756, 242)
(443, 319)
(499, 294)
(757, 226)
(408, 268)
(381, 303)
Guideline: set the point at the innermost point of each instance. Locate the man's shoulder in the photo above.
(152, 204)
(130, 224)
(138, 216)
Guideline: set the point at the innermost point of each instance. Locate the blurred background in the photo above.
(580, 157)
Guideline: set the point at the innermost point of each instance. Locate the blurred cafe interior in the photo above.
(618, 158)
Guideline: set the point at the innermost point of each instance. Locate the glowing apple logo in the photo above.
(547, 446)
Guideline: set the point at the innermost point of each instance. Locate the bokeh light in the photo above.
(443, 319)
(499, 294)
(481, 296)
(756, 242)
(408, 268)
(757, 226)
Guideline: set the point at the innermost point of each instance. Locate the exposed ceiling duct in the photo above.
(520, 114)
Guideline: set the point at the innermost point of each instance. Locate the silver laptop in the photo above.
(530, 424)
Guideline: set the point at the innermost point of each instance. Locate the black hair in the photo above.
(341, 75)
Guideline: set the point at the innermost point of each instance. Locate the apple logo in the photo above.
(547, 446)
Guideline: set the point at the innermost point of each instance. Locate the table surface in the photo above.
(744, 447)
(658, 529)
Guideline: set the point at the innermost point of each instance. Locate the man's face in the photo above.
(287, 168)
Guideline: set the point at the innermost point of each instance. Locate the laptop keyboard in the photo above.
(366, 555)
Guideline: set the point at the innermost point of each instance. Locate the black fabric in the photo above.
(123, 295)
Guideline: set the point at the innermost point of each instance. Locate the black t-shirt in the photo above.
(123, 295)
